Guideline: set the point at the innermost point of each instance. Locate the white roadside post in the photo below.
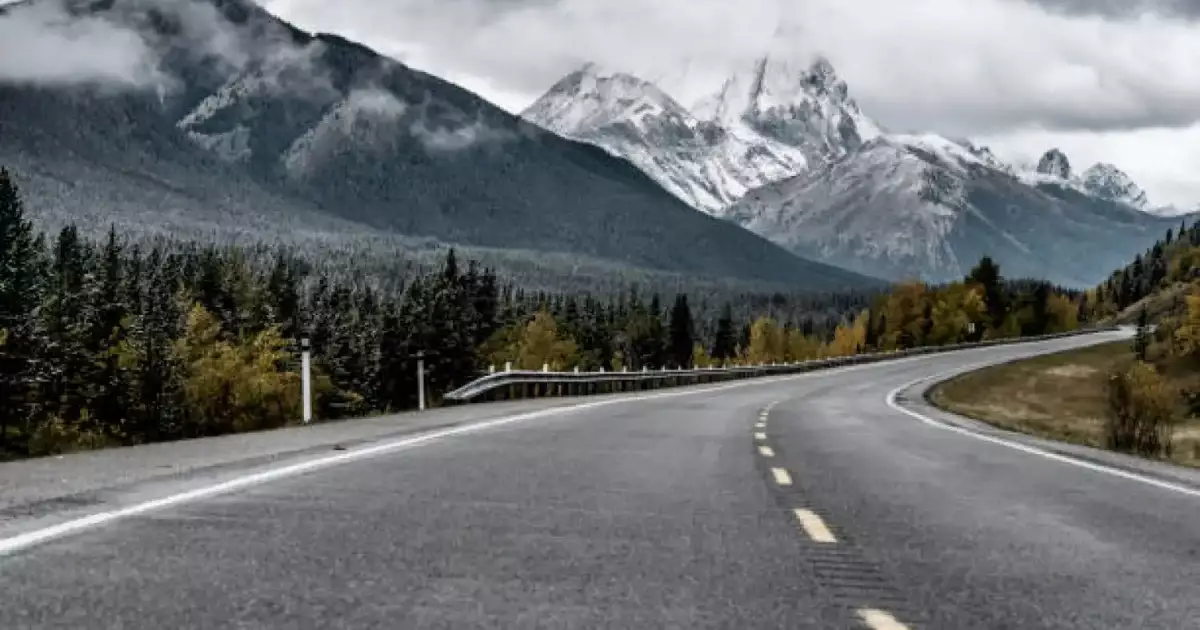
(305, 380)
(421, 381)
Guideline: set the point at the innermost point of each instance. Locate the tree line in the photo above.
(112, 342)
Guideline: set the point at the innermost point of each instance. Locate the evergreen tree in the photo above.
(987, 275)
(1141, 341)
(157, 372)
(724, 343)
(67, 364)
(681, 333)
(20, 299)
(108, 332)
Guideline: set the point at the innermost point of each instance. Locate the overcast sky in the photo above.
(1112, 80)
(1104, 80)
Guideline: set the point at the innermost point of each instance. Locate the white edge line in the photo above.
(29, 539)
(1025, 448)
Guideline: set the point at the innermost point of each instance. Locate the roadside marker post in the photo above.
(305, 380)
(421, 381)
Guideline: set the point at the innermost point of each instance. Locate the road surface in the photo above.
(812, 501)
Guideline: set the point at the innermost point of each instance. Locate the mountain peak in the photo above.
(1109, 182)
(594, 97)
(822, 77)
(1055, 163)
(804, 104)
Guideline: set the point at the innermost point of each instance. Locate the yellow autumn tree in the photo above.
(799, 347)
(955, 308)
(1062, 314)
(239, 386)
(1187, 335)
(904, 310)
(700, 358)
(849, 339)
(766, 342)
(542, 344)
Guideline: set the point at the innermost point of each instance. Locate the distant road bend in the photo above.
(825, 500)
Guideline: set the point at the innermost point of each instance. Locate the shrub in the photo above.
(55, 436)
(1142, 412)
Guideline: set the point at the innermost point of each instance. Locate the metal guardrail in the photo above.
(515, 384)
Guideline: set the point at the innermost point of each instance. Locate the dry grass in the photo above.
(1061, 397)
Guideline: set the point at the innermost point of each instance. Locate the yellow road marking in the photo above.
(814, 527)
(879, 620)
(760, 436)
(781, 476)
(766, 451)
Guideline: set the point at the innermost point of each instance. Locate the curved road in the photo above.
(802, 502)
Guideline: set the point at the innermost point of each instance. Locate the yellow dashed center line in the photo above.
(781, 476)
(814, 527)
(879, 620)
(760, 436)
(766, 451)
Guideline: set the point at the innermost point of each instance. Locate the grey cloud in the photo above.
(945, 65)
(1124, 9)
(41, 43)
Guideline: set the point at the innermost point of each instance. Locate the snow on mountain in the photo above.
(701, 162)
(1054, 163)
(1101, 180)
(1109, 182)
(808, 107)
(905, 206)
(768, 121)
(913, 208)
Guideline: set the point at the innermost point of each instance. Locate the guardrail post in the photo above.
(508, 366)
(492, 369)
(545, 367)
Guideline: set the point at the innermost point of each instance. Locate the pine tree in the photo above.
(681, 333)
(110, 321)
(987, 275)
(67, 364)
(724, 343)
(20, 298)
(156, 371)
(1141, 341)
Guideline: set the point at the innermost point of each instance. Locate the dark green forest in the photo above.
(114, 341)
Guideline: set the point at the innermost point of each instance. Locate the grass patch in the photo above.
(1060, 396)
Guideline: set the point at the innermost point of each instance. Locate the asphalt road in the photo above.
(673, 510)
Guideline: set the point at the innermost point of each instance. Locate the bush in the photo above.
(55, 436)
(1142, 412)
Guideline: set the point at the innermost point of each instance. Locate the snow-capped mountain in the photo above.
(782, 149)
(766, 122)
(926, 207)
(1101, 180)
(808, 107)
(701, 162)
(1109, 182)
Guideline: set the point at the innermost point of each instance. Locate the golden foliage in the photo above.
(235, 387)
(542, 344)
